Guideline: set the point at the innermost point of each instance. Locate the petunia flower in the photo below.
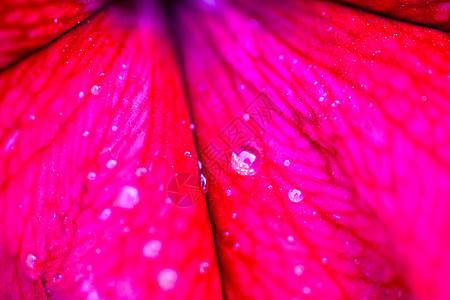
(224, 149)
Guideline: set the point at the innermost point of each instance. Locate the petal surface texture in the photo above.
(29, 24)
(94, 128)
(434, 13)
(324, 132)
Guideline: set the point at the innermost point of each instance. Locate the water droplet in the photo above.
(128, 197)
(57, 278)
(203, 183)
(226, 234)
(124, 66)
(298, 270)
(86, 133)
(55, 20)
(203, 267)
(151, 249)
(192, 126)
(246, 117)
(114, 128)
(295, 195)
(111, 163)
(91, 176)
(30, 260)
(95, 90)
(141, 171)
(167, 279)
(356, 261)
(228, 192)
(306, 290)
(324, 260)
(187, 154)
(246, 161)
(233, 215)
(80, 95)
(290, 238)
(287, 163)
(105, 214)
(236, 246)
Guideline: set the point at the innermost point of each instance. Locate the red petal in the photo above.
(28, 24)
(343, 116)
(434, 13)
(94, 128)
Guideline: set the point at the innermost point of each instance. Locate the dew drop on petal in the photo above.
(295, 195)
(111, 163)
(228, 192)
(128, 197)
(30, 260)
(91, 176)
(57, 278)
(187, 154)
(167, 279)
(287, 162)
(151, 249)
(105, 214)
(203, 267)
(246, 161)
(86, 133)
(80, 95)
(95, 90)
(246, 117)
(203, 183)
(290, 238)
(114, 128)
(306, 290)
(298, 270)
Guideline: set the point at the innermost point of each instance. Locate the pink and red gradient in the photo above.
(343, 114)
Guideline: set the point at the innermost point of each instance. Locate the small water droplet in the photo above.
(141, 171)
(287, 163)
(324, 260)
(151, 249)
(124, 66)
(128, 197)
(55, 20)
(246, 161)
(111, 163)
(167, 279)
(290, 238)
(86, 133)
(91, 176)
(32, 117)
(30, 261)
(270, 187)
(105, 214)
(95, 90)
(114, 128)
(57, 278)
(187, 154)
(226, 234)
(298, 270)
(236, 246)
(203, 267)
(203, 183)
(228, 192)
(233, 215)
(246, 117)
(192, 126)
(295, 195)
(306, 290)
(356, 261)
(80, 95)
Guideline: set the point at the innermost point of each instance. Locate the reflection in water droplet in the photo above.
(111, 163)
(151, 249)
(246, 161)
(128, 197)
(298, 270)
(91, 176)
(95, 90)
(296, 195)
(105, 214)
(167, 279)
(30, 260)
(203, 267)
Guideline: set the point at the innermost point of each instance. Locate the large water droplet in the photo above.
(246, 161)
(296, 195)
(128, 197)
(167, 279)
(151, 249)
